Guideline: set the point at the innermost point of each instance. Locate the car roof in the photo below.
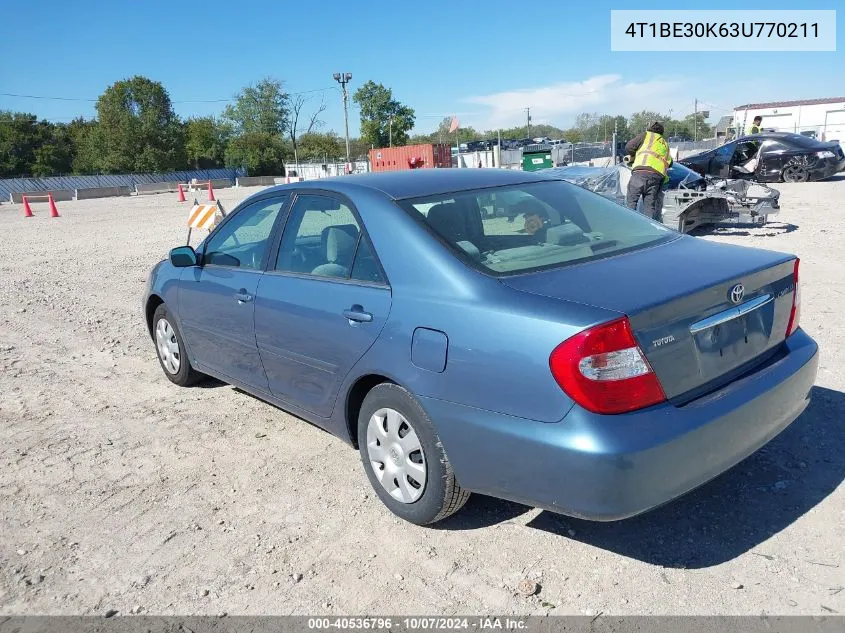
(784, 135)
(414, 183)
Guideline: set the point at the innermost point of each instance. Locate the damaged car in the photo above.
(771, 157)
(689, 199)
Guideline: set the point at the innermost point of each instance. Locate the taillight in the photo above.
(604, 370)
(795, 315)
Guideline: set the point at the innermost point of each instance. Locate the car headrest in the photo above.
(456, 222)
(442, 216)
(339, 243)
(530, 206)
(565, 234)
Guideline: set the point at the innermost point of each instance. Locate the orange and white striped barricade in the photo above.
(204, 216)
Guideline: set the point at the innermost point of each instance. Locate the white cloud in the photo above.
(559, 103)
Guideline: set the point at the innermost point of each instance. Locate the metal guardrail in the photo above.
(10, 185)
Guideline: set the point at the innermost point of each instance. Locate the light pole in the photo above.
(343, 79)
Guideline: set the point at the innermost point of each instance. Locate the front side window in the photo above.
(243, 241)
(535, 226)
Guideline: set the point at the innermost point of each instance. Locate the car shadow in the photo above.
(770, 229)
(208, 382)
(727, 517)
(482, 511)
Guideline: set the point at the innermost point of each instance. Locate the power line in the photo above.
(49, 98)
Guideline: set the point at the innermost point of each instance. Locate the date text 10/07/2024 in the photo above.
(723, 29)
(419, 623)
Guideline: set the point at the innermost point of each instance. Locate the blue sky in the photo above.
(482, 60)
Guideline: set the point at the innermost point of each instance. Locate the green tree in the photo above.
(383, 118)
(639, 121)
(319, 147)
(205, 142)
(54, 155)
(20, 136)
(138, 129)
(87, 146)
(699, 131)
(263, 108)
(261, 153)
(358, 149)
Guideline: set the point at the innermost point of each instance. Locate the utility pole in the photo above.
(615, 131)
(499, 149)
(343, 79)
(695, 122)
(390, 129)
(528, 122)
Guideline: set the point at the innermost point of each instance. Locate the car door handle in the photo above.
(356, 313)
(243, 296)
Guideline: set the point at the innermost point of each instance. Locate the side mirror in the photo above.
(183, 256)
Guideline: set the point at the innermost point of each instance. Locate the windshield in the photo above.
(534, 226)
(682, 177)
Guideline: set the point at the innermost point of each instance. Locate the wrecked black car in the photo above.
(689, 199)
(771, 157)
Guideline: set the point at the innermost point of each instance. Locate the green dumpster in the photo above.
(536, 157)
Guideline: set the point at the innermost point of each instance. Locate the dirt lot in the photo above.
(119, 490)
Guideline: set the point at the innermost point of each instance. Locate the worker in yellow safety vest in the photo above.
(650, 170)
(755, 125)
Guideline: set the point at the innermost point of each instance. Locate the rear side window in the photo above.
(323, 238)
(535, 226)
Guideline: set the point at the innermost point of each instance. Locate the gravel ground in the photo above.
(120, 491)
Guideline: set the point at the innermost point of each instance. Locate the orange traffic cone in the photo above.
(210, 192)
(27, 210)
(181, 193)
(54, 212)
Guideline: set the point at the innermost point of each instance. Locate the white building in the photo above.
(824, 117)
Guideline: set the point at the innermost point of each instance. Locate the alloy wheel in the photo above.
(795, 173)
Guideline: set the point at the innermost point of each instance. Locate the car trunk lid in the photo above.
(685, 308)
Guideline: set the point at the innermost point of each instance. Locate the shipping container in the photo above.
(411, 157)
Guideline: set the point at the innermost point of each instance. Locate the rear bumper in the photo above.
(607, 468)
(827, 168)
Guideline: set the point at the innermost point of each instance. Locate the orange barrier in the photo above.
(27, 210)
(54, 212)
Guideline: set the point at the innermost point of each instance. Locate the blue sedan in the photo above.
(492, 331)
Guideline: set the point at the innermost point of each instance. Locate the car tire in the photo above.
(170, 350)
(416, 454)
(795, 173)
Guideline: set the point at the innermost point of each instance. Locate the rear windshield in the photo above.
(804, 142)
(535, 226)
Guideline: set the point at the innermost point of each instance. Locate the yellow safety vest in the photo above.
(653, 153)
(755, 129)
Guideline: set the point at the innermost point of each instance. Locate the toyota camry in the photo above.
(500, 332)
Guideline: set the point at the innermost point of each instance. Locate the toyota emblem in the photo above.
(737, 293)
